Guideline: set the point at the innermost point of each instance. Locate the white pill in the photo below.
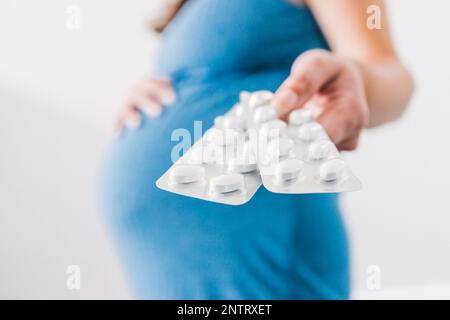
(222, 138)
(208, 154)
(244, 97)
(194, 156)
(309, 131)
(218, 122)
(260, 98)
(211, 135)
(238, 110)
(205, 154)
(320, 149)
(233, 122)
(273, 129)
(278, 148)
(242, 164)
(332, 170)
(288, 169)
(300, 116)
(186, 173)
(226, 183)
(133, 121)
(264, 114)
(200, 153)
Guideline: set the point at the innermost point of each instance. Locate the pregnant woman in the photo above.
(321, 52)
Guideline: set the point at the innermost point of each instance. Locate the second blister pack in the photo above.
(297, 156)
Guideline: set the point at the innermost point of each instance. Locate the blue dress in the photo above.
(174, 247)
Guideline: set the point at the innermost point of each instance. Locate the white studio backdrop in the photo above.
(59, 90)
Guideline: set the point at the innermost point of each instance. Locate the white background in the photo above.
(60, 88)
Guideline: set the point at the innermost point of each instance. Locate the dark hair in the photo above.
(170, 12)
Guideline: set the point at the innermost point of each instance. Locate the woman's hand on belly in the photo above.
(334, 89)
(147, 95)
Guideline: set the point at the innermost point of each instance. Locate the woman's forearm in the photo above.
(388, 86)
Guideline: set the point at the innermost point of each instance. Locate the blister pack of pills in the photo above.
(250, 146)
(220, 167)
(302, 159)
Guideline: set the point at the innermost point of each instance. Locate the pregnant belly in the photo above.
(148, 149)
(166, 237)
(139, 157)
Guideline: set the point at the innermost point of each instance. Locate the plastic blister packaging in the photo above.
(312, 165)
(249, 146)
(220, 167)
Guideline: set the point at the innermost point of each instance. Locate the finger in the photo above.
(310, 72)
(118, 128)
(335, 124)
(132, 119)
(121, 118)
(284, 100)
(151, 109)
(159, 89)
(317, 105)
(163, 79)
(147, 104)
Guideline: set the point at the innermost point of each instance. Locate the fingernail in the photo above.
(169, 98)
(165, 78)
(134, 121)
(286, 100)
(117, 133)
(152, 112)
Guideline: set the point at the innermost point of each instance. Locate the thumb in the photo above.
(310, 72)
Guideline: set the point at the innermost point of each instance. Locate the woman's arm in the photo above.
(361, 83)
(388, 84)
(148, 95)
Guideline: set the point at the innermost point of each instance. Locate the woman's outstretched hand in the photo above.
(148, 95)
(334, 89)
